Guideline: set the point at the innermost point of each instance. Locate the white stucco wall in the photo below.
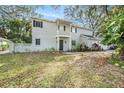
(67, 30)
(85, 31)
(76, 36)
(47, 36)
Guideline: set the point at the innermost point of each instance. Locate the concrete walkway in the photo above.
(73, 53)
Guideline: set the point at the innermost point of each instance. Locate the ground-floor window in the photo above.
(37, 41)
(73, 42)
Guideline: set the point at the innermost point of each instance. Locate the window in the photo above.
(64, 28)
(37, 41)
(74, 30)
(37, 24)
(41, 24)
(34, 23)
(73, 42)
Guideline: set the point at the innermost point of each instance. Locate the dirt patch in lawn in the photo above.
(58, 70)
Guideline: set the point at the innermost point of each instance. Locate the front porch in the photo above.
(63, 42)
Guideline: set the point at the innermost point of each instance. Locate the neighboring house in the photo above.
(60, 35)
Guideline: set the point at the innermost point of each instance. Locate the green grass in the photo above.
(49, 70)
(117, 62)
(18, 70)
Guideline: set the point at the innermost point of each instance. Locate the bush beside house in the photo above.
(82, 48)
(4, 46)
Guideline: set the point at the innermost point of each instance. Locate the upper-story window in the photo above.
(74, 29)
(37, 24)
(64, 28)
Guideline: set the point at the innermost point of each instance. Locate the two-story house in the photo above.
(62, 35)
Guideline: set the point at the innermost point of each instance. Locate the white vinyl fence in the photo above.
(20, 47)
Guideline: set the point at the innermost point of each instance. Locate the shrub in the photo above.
(116, 61)
(50, 49)
(4, 47)
(76, 48)
(84, 47)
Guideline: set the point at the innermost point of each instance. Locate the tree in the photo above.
(14, 24)
(3, 30)
(91, 16)
(19, 31)
(17, 11)
(112, 30)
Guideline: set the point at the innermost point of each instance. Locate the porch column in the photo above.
(70, 38)
(57, 27)
(69, 43)
(57, 43)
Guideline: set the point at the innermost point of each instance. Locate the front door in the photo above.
(61, 45)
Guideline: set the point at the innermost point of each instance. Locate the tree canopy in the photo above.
(14, 22)
(92, 16)
(112, 30)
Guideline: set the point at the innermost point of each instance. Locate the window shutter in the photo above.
(34, 23)
(64, 28)
(75, 30)
(41, 24)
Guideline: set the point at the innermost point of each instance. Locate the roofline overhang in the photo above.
(61, 21)
(65, 36)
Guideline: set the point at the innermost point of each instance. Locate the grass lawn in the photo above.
(58, 70)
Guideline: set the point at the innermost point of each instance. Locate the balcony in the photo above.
(64, 28)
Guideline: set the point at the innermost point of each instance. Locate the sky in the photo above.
(51, 13)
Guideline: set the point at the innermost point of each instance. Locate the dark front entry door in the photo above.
(61, 45)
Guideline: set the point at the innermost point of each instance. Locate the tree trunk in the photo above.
(93, 34)
(121, 55)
